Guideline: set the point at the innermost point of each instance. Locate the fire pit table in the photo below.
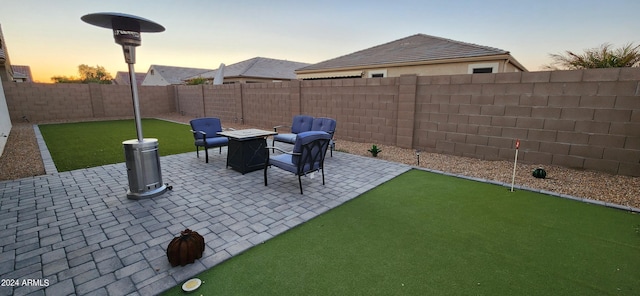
(246, 149)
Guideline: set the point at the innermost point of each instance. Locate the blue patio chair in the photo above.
(327, 125)
(301, 123)
(205, 134)
(307, 156)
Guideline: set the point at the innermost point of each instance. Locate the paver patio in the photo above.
(79, 232)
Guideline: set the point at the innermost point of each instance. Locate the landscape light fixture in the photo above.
(141, 155)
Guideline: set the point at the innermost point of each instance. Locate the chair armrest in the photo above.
(283, 151)
(195, 133)
(228, 129)
(275, 128)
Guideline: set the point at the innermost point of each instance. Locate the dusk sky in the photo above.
(49, 36)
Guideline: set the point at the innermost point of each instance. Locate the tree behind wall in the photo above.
(88, 74)
(196, 81)
(602, 57)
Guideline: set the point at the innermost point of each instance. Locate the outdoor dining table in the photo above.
(247, 149)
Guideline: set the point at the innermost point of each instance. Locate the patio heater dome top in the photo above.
(122, 21)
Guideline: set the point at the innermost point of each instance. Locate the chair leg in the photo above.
(300, 182)
(220, 149)
(197, 152)
(265, 175)
(206, 154)
(322, 175)
(332, 145)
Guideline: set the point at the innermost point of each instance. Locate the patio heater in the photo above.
(141, 155)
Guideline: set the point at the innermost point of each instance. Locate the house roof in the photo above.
(175, 75)
(122, 78)
(415, 48)
(258, 67)
(22, 72)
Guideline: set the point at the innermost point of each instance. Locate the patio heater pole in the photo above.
(141, 155)
(136, 102)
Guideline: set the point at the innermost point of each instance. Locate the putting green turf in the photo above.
(89, 144)
(428, 234)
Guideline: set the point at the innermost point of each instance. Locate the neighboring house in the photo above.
(255, 70)
(10, 72)
(6, 71)
(418, 54)
(167, 75)
(22, 73)
(122, 78)
(6, 74)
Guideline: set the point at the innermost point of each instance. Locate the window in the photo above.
(151, 72)
(483, 68)
(377, 73)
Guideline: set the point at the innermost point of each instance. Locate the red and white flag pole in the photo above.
(515, 162)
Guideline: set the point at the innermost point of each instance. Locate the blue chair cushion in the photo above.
(213, 142)
(307, 137)
(286, 138)
(284, 161)
(301, 123)
(209, 125)
(324, 124)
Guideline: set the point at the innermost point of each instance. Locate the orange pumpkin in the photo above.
(186, 248)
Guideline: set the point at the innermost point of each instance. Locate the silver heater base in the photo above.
(147, 194)
(143, 169)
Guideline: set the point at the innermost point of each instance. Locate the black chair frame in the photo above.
(311, 153)
(203, 135)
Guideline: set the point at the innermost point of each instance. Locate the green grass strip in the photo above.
(428, 234)
(89, 144)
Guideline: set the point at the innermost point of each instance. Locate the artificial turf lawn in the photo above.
(428, 234)
(89, 144)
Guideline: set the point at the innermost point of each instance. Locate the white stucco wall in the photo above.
(154, 78)
(5, 120)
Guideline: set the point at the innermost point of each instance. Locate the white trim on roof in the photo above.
(357, 73)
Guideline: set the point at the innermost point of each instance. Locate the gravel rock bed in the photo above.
(21, 158)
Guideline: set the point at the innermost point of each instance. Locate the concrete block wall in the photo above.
(42, 102)
(116, 99)
(97, 101)
(154, 100)
(224, 102)
(586, 119)
(190, 100)
(366, 110)
(268, 104)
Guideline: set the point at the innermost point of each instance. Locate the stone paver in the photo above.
(79, 231)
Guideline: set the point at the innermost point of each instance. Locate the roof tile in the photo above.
(259, 67)
(415, 48)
